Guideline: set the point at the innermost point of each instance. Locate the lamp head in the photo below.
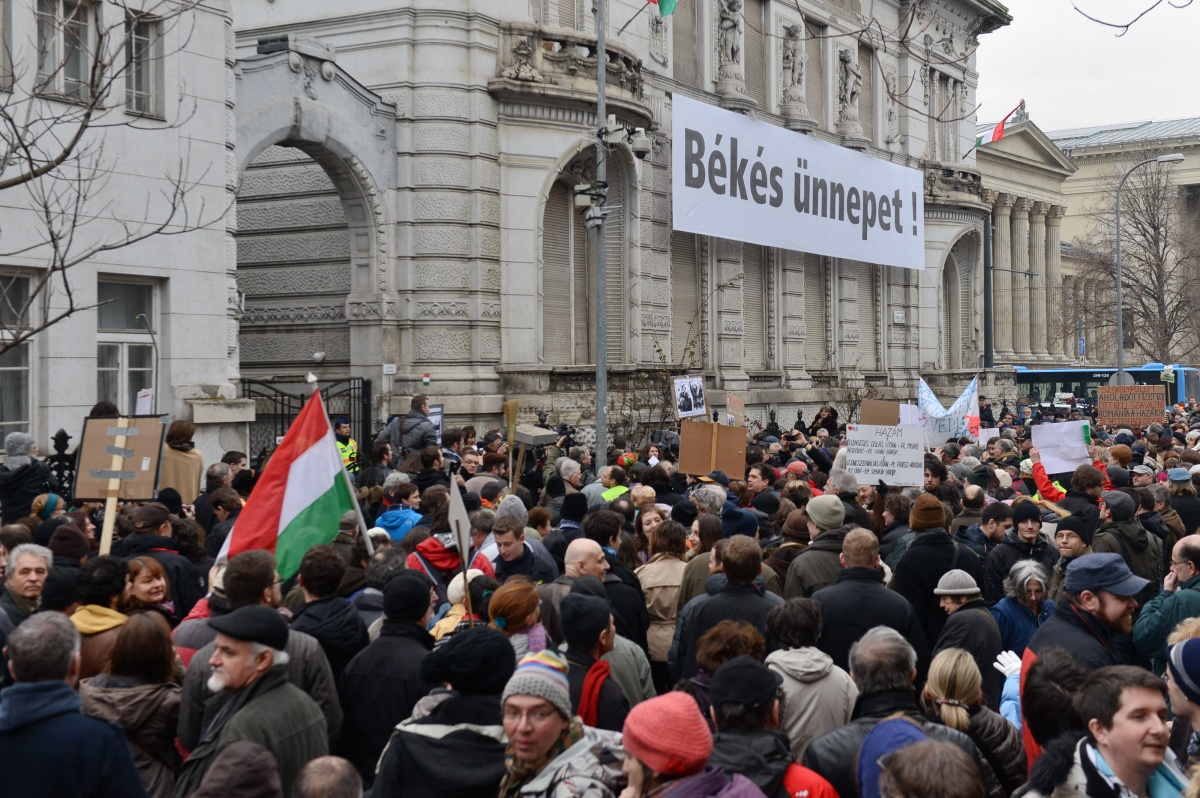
(1174, 157)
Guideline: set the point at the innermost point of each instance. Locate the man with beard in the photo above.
(249, 661)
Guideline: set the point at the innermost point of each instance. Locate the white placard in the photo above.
(145, 402)
(986, 435)
(1063, 446)
(747, 180)
(894, 454)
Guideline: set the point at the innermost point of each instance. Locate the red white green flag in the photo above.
(299, 497)
(998, 131)
(665, 7)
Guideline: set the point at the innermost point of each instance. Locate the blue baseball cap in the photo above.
(1106, 571)
(1180, 476)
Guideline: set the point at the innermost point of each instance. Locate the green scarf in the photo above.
(26, 606)
(521, 772)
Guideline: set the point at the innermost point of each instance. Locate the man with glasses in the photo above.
(1179, 599)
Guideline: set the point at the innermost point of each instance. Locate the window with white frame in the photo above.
(64, 37)
(143, 66)
(125, 362)
(15, 401)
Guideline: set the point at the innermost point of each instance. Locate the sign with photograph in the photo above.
(690, 399)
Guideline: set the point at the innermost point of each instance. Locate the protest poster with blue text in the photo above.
(961, 418)
(747, 180)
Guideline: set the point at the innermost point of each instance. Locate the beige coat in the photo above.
(181, 471)
(661, 578)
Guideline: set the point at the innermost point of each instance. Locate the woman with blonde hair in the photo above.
(954, 697)
(514, 610)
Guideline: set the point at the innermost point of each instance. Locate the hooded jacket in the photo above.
(1079, 503)
(416, 432)
(1065, 770)
(440, 564)
(47, 747)
(379, 688)
(398, 520)
(335, 624)
(149, 713)
(466, 730)
(974, 538)
(242, 770)
(22, 479)
(817, 566)
(1003, 557)
(1018, 623)
(892, 533)
(714, 782)
(1141, 551)
(589, 769)
(819, 696)
(535, 562)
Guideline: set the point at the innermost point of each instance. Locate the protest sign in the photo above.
(1064, 446)
(1127, 405)
(894, 454)
(704, 447)
(735, 411)
(875, 411)
(748, 180)
(962, 417)
(690, 401)
(911, 416)
(986, 435)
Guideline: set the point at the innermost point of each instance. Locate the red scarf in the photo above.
(589, 700)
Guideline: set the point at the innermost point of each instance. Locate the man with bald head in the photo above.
(584, 557)
(1179, 599)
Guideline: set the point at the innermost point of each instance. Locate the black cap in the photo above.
(1077, 524)
(253, 624)
(406, 597)
(583, 619)
(477, 661)
(744, 680)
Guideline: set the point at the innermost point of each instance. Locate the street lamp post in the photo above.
(1174, 157)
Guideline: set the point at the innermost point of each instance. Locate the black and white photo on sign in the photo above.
(689, 396)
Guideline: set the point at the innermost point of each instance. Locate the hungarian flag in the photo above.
(665, 7)
(299, 497)
(998, 131)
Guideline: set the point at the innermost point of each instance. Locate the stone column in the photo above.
(729, 323)
(731, 84)
(1057, 306)
(848, 330)
(1087, 295)
(1038, 288)
(1020, 283)
(1002, 281)
(1068, 348)
(795, 331)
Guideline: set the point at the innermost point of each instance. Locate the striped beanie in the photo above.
(543, 675)
(1183, 660)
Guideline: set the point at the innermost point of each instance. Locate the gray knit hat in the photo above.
(543, 675)
(956, 583)
(826, 511)
(18, 443)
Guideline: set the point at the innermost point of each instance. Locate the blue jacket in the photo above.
(974, 537)
(398, 520)
(48, 748)
(1018, 623)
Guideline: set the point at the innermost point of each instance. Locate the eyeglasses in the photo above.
(534, 715)
(1181, 563)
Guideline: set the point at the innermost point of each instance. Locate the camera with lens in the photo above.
(565, 430)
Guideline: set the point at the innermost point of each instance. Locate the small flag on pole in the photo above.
(998, 131)
(665, 7)
(425, 380)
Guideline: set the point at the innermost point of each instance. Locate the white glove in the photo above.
(1008, 663)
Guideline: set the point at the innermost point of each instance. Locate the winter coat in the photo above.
(307, 669)
(185, 581)
(714, 782)
(148, 713)
(612, 707)
(1000, 749)
(630, 670)
(1155, 525)
(966, 519)
(98, 628)
(551, 596)
(589, 769)
(1018, 623)
(972, 628)
(834, 754)
(535, 562)
(630, 615)
(1065, 770)
(1003, 557)
(181, 470)
(369, 603)
(48, 748)
(732, 602)
(269, 711)
(1078, 503)
(927, 560)
(378, 689)
(466, 730)
(819, 696)
(1082, 635)
(1158, 618)
(1141, 551)
(243, 770)
(781, 558)
(858, 602)
(335, 624)
(416, 432)
(764, 758)
(974, 538)
(22, 479)
(711, 588)
(398, 520)
(1188, 508)
(440, 564)
(892, 533)
(1174, 523)
(817, 566)
(215, 539)
(661, 578)
(1058, 576)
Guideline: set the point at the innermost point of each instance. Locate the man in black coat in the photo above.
(737, 600)
(859, 602)
(622, 585)
(382, 684)
(590, 634)
(972, 628)
(1023, 542)
(883, 666)
(325, 615)
(152, 537)
(22, 477)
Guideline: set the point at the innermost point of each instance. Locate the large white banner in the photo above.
(941, 424)
(738, 178)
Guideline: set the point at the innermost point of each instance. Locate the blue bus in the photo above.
(1044, 386)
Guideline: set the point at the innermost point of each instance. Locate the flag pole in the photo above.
(462, 559)
(362, 522)
(635, 16)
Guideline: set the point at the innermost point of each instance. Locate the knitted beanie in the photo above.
(1077, 524)
(956, 583)
(477, 661)
(1183, 660)
(668, 735)
(926, 513)
(827, 512)
(544, 675)
(1026, 511)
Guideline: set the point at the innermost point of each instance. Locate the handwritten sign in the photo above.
(895, 455)
(1127, 405)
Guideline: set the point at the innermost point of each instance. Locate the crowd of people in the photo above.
(618, 628)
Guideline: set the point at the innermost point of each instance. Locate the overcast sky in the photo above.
(1072, 72)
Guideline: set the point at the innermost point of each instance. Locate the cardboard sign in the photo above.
(1064, 446)
(735, 411)
(118, 461)
(705, 447)
(1127, 405)
(893, 454)
(879, 413)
